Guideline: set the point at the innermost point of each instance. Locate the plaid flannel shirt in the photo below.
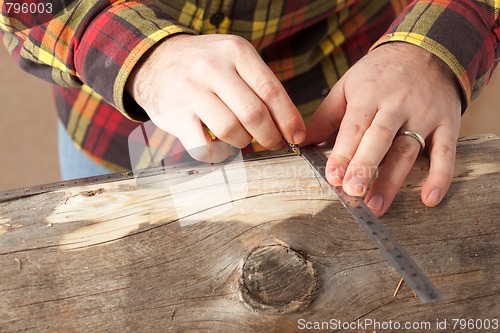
(88, 48)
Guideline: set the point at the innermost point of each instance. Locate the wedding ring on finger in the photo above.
(414, 135)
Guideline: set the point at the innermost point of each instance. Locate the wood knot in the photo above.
(278, 279)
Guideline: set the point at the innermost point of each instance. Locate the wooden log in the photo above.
(256, 246)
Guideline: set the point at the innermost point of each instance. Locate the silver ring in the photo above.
(414, 135)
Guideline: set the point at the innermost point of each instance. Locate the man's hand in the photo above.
(396, 86)
(189, 84)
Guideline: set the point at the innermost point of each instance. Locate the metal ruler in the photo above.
(133, 174)
(401, 260)
(380, 235)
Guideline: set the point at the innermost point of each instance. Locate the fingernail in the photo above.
(355, 186)
(336, 176)
(376, 202)
(298, 137)
(434, 197)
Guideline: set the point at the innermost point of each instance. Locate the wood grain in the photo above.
(168, 255)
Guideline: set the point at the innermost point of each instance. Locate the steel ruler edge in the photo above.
(27, 191)
(380, 235)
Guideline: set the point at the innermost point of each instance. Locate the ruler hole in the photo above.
(374, 233)
(369, 222)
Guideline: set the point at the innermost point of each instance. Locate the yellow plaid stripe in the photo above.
(97, 43)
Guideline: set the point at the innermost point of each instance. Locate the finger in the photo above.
(442, 151)
(221, 121)
(249, 110)
(211, 151)
(397, 164)
(374, 145)
(198, 142)
(264, 83)
(357, 119)
(327, 117)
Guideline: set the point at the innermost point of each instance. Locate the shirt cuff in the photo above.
(113, 44)
(455, 34)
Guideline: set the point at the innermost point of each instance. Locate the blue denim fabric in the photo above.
(74, 163)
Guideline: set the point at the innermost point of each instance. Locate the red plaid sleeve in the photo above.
(94, 43)
(463, 33)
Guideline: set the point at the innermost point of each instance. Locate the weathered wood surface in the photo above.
(164, 256)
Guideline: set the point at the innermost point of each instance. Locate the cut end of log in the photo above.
(277, 279)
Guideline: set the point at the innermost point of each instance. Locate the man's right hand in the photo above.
(189, 84)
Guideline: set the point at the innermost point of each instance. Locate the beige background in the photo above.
(28, 132)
